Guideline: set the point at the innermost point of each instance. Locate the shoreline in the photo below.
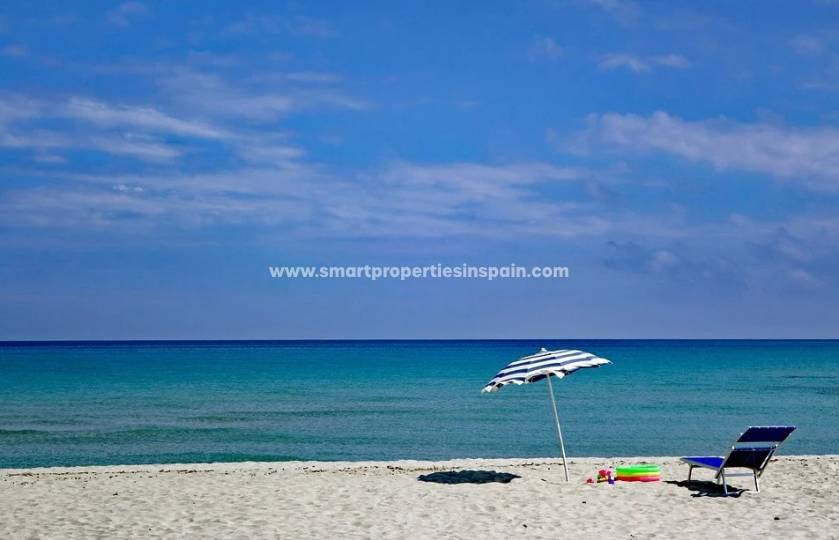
(403, 464)
(498, 498)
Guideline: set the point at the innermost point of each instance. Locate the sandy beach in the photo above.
(413, 499)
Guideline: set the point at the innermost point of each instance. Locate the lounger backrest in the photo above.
(756, 445)
(751, 457)
(766, 434)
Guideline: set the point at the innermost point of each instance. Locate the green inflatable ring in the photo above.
(641, 469)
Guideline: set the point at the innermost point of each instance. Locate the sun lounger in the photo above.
(752, 450)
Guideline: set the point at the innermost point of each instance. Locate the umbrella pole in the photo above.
(558, 429)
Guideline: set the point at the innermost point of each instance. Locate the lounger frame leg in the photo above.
(690, 471)
(757, 484)
(724, 483)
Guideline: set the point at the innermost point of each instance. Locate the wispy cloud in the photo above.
(797, 252)
(105, 115)
(139, 146)
(614, 61)
(14, 107)
(14, 50)
(680, 263)
(638, 64)
(401, 199)
(313, 77)
(133, 131)
(268, 179)
(258, 99)
(624, 11)
(308, 26)
(127, 12)
(209, 107)
(49, 158)
(209, 93)
(270, 24)
(807, 44)
(251, 23)
(130, 144)
(671, 60)
(544, 47)
(810, 155)
(265, 149)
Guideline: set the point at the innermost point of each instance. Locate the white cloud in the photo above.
(269, 150)
(402, 199)
(810, 155)
(136, 117)
(127, 189)
(260, 99)
(49, 158)
(210, 94)
(15, 107)
(614, 61)
(637, 64)
(134, 145)
(138, 132)
(209, 106)
(126, 144)
(671, 60)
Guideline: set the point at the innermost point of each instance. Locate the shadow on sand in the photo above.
(468, 477)
(703, 488)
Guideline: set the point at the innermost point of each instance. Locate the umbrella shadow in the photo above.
(702, 488)
(468, 477)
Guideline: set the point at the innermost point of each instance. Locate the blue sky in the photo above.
(682, 159)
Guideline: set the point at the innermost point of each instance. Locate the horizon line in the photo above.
(297, 340)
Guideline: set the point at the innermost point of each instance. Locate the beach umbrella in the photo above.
(540, 366)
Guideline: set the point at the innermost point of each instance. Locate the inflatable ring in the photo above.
(639, 478)
(640, 468)
(641, 472)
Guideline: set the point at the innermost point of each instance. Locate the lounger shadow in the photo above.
(706, 488)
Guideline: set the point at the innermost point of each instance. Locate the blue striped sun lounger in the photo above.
(752, 450)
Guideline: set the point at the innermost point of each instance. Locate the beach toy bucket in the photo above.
(640, 472)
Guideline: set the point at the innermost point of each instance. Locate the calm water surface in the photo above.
(125, 403)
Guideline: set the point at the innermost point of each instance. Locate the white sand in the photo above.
(798, 499)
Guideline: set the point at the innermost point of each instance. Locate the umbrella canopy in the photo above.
(540, 366)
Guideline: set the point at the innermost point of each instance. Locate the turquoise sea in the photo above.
(165, 402)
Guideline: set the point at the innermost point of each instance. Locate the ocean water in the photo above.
(146, 402)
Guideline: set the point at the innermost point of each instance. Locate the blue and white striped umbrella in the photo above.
(538, 366)
(541, 366)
